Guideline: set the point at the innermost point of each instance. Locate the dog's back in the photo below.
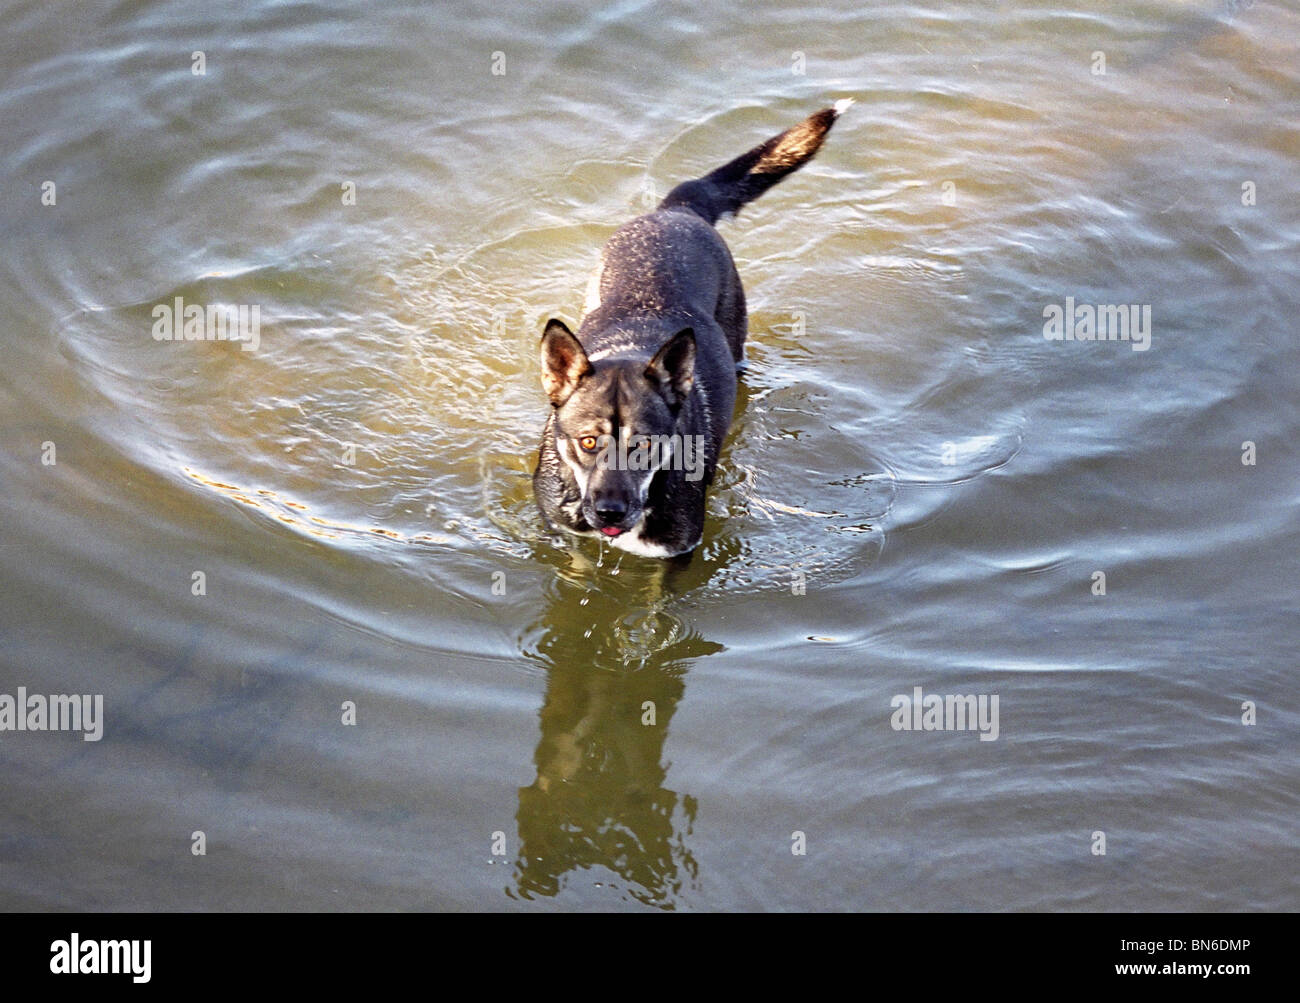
(655, 355)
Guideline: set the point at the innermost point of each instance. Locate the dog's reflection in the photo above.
(616, 662)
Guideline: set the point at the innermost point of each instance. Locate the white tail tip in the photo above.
(842, 105)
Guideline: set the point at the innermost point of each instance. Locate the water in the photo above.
(918, 490)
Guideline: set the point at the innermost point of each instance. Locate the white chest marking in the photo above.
(634, 543)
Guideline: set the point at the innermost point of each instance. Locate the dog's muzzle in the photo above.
(611, 516)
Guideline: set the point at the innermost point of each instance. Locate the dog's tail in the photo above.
(725, 190)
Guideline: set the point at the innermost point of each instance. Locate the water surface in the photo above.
(918, 490)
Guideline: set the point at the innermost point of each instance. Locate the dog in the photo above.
(643, 394)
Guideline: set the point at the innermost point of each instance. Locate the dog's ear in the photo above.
(564, 362)
(673, 368)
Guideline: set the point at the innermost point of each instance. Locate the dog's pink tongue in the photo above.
(611, 531)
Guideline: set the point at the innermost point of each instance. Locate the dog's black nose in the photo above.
(611, 511)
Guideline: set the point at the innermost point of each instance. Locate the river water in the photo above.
(307, 577)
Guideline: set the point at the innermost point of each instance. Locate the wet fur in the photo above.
(656, 354)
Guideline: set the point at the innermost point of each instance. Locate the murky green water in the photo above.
(918, 492)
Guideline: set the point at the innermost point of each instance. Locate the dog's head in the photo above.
(615, 421)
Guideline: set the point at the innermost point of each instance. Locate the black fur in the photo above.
(656, 356)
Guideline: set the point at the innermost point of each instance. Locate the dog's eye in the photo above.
(587, 443)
